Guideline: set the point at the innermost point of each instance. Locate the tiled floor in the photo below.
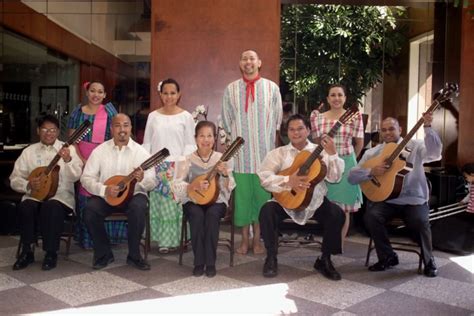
(169, 288)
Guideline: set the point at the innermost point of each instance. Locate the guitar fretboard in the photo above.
(231, 150)
(147, 164)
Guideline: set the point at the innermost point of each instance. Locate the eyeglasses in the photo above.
(50, 130)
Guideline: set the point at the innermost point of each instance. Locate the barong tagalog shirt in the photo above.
(282, 158)
(40, 155)
(107, 160)
(257, 126)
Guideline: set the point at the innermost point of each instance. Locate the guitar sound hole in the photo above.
(375, 182)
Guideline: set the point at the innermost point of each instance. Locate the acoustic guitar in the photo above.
(310, 165)
(126, 184)
(210, 195)
(389, 185)
(49, 175)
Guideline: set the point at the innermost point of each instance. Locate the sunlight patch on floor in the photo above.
(465, 262)
(266, 299)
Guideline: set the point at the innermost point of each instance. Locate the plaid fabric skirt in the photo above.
(165, 213)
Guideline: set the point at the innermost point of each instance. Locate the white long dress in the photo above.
(176, 133)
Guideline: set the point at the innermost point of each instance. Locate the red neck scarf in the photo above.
(249, 90)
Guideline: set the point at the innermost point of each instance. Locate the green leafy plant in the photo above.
(328, 44)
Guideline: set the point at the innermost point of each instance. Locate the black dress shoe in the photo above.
(211, 271)
(198, 270)
(24, 260)
(50, 261)
(430, 269)
(103, 261)
(139, 263)
(385, 264)
(270, 267)
(325, 267)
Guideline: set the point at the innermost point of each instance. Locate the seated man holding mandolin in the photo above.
(203, 184)
(58, 200)
(117, 156)
(311, 185)
(410, 200)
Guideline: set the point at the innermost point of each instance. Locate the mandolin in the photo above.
(389, 185)
(311, 165)
(126, 184)
(49, 175)
(210, 195)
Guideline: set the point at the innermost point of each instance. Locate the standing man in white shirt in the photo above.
(52, 212)
(328, 214)
(117, 156)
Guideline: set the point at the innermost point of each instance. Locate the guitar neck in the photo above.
(53, 162)
(147, 164)
(411, 133)
(318, 150)
(230, 151)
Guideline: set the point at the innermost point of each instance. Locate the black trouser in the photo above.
(414, 216)
(204, 223)
(49, 215)
(329, 215)
(97, 210)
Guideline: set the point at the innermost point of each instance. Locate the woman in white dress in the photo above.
(171, 127)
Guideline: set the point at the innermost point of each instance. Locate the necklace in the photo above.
(205, 161)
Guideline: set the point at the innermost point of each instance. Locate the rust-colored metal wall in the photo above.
(466, 96)
(199, 42)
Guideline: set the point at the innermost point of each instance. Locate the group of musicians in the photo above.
(251, 109)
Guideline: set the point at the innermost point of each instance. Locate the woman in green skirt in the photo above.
(344, 194)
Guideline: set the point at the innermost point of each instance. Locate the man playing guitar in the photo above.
(412, 202)
(117, 156)
(51, 212)
(320, 208)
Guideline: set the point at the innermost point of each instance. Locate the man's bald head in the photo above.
(121, 129)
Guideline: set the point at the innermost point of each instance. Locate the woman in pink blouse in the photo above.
(344, 194)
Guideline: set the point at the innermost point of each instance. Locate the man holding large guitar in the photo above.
(117, 156)
(411, 203)
(319, 207)
(50, 211)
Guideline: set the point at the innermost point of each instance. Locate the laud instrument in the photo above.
(49, 175)
(210, 195)
(127, 183)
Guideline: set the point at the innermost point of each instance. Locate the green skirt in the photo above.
(249, 197)
(165, 213)
(346, 195)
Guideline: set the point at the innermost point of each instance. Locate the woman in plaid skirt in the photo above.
(169, 127)
(344, 194)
